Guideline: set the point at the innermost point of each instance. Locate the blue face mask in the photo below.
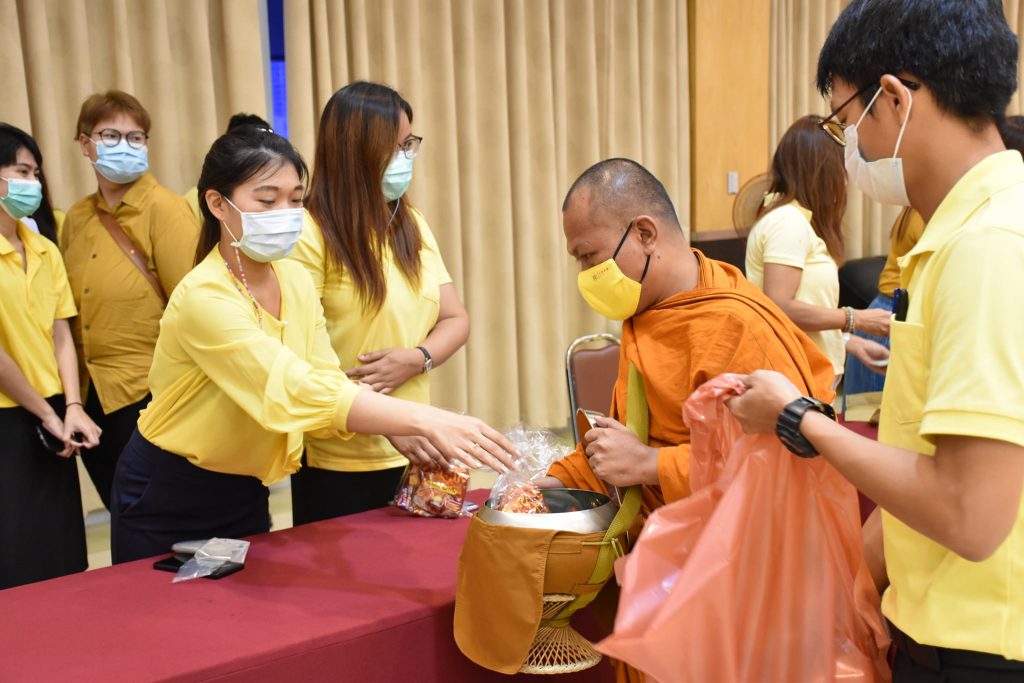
(121, 163)
(23, 197)
(397, 177)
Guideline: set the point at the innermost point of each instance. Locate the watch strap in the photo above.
(787, 426)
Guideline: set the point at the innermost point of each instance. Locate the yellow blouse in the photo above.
(29, 303)
(906, 232)
(405, 319)
(232, 397)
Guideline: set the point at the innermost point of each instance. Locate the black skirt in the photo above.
(42, 533)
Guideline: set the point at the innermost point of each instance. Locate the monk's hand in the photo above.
(548, 482)
(768, 392)
(617, 456)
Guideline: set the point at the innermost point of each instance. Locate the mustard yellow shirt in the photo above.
(785, 236)
(192, 197)
(119, 313)
(236, 398)
(957, 368)
(906, 231)
(404, 321)
(29, 303)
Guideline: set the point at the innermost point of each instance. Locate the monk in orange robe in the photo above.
(686, 318)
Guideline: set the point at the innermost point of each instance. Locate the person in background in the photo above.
(236, 121)
(125, 246)
(795, 248)
(244, 367)
(392, 311)
(42, 421)
(44, 220)
(918, 89)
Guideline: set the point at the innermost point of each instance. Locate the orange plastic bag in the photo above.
(757, 576)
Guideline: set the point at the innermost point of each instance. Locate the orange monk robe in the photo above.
(724, 324)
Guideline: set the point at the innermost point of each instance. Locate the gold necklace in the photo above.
(244, 284)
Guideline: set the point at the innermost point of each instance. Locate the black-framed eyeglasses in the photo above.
(410, 147)
(836, 129)
(111, 137)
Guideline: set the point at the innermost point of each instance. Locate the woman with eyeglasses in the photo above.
(392, 311)
(126, 246)
(42, 423)
(795, 248)
(244, 368)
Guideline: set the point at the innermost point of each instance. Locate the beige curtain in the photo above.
(192, 63)
(798, 30)
(514, 98)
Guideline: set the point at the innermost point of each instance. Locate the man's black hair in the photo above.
(625, 185)
(962, 50)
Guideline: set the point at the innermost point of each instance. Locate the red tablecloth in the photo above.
(870, 431)
(363, 598)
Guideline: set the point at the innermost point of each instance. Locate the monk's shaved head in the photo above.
(619, 188)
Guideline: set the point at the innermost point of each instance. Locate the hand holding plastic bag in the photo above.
(514, 490)
(758, 575)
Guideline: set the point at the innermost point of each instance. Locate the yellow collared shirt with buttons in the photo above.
(33, 294)
(119, 312)
(957, 368)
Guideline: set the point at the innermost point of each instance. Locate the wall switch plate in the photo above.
(732, 182)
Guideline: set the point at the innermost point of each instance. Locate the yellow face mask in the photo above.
(608, 290)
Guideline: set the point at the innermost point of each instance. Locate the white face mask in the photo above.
(882, 179)
(267, 235)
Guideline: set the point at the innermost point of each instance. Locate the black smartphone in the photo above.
(174, 562)
(50, 442)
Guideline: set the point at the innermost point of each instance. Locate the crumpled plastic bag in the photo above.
(514, 491)
(758, 575)
(434, 492)
(211, 556)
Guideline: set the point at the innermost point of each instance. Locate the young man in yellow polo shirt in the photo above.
(925, 82)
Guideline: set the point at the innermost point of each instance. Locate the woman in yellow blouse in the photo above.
(794, 249)
(42, 422)
(243, 368)
(392, 311)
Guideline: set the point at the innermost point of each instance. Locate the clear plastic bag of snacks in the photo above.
(514, 491)
(433, 493)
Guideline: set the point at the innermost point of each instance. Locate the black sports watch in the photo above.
(787, 427)
(428, 362)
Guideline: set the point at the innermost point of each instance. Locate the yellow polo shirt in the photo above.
(784, 236)
(119, 313)
(957, 368)
(405, 319)
(906, 231)
(192, 198)
(236, 398)
(30, 300)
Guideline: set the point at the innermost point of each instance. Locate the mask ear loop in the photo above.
(397, 204)
(903, 128)
(868, 108)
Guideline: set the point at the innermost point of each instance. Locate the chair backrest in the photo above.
(591, 366)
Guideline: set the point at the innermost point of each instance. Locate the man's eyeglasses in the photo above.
(410, 147)
(110, 137)
(836, 129)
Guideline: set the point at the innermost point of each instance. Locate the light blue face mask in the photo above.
(23, 197)
(397, 176)
(121, 163)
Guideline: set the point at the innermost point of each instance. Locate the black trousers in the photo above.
(324, 494)
(916, 663)
(160, 498)
(101, 462)
(42, 534)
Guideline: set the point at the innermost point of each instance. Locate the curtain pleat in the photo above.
(192, 64)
